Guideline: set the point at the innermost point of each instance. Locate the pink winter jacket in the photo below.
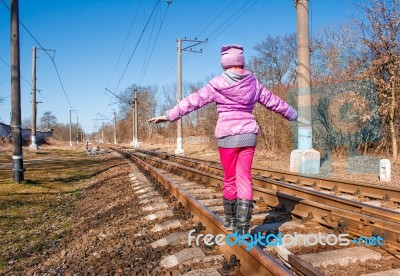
(235, 104)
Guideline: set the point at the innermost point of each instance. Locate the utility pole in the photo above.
(70, 127)
(77, 130)
(179, 137)
(132, 104)
(136, 122)
(304, 160)
(18, 170)
(102, 126)
(115, 123)
(102, 132)
(33, 145)
(115, 127)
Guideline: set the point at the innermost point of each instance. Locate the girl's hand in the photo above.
(158, 119)
(303, 121)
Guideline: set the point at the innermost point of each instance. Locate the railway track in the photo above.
(283, 206)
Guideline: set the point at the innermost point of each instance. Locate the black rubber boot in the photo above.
(230, 214)
(243, 217)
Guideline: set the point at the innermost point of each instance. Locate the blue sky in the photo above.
(88, 37)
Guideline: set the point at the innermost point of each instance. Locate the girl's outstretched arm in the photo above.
(275, 103)
(158, 119)
(191, 103)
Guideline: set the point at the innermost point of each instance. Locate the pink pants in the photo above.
(236, 163)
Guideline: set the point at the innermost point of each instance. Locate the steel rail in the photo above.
(373, 191)
(351, 219)
(252, 262)
(284, 187)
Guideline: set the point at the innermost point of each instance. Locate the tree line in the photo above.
(355, 90)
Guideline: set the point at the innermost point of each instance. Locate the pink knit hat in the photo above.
(232, 55)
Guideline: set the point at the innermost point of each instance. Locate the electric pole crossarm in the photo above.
(194, 44)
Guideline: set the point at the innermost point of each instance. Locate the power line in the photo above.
(126, 40)
(6, 63)
(137, 44)
(168, 69)
(52, 58)
(215, 18)
(62, 86)
(134, 50)
(148, 46)
(24, 79)
(151, 53)
(120, 55)
(240, 15)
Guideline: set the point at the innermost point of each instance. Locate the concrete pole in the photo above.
(304, 160)
(33, 145)
(70, 128)
(179, 139)
(115, 128)
(136, 143)
(77, 131)
(133, 121)
(102, 132)
(18, 170)
(304, 75)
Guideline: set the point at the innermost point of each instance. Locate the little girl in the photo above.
(235, 92)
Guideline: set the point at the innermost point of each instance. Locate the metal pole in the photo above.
(77, 130)
(102, 132)
(115, 128)
(304, 75)
(33, 145)
(133, 121)
(179, 139)
(70, 128)
(136, 120)
(18, 171)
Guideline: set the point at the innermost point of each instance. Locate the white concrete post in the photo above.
(384, 170)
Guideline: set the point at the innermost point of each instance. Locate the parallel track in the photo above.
(343, 215)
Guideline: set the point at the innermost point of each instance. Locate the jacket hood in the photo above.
(241, 92)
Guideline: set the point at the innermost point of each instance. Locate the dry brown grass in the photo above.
(35, 214)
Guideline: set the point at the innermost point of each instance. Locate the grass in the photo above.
(36, 214)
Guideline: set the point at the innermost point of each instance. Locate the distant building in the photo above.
(41, 134)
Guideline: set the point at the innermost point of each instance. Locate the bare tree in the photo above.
(275, 66)
(48, 120)
(381, 36)
(333, 51)
(146, 105)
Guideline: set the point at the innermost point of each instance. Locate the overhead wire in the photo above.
(155, 42)
(52, 58)
(125, 42)
(120, 55)
(133, 52)
(148, 45)
(30, 84)
(234, 20)
(137, 44)
(170, 66)
(221, 28)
